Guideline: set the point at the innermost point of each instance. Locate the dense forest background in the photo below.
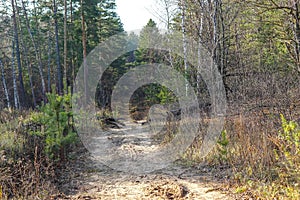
(255, 45)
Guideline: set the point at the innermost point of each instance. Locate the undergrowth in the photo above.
(286, 168)
(34, 145)
(260, 152)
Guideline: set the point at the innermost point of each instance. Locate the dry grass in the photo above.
(25, 171)
(250, 151)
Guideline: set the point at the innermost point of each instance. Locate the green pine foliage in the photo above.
(222, 146)
(56, 125)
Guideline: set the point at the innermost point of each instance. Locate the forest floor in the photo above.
(86, 178)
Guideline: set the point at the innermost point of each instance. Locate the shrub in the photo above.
(286, 167)
(55, 122)
(222, 147)
(25, 173)
(288, 152)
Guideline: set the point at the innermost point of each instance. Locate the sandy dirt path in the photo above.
(90, 179)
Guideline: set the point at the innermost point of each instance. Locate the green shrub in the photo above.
(288, 152)
(165, 96)
(55, 121)
(222, 147)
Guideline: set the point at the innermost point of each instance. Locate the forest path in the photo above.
(89, 179)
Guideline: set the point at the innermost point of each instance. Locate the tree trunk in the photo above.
(216, 44)
(36, 50)
(223, 47)
(199, 52)
(167, 5)
(49, 62)
(184, 42)
(4, 84)
(16, 94)
(16, 39)
(297, 33)
(27, 63)
(59, 72)
(65, 48)
(72, 79)
(84, 50)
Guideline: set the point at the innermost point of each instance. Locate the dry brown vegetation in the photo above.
(253, 136)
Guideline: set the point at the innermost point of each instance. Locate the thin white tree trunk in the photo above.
(16, 95)
(4, 84)
(199, 52)
(184, 42)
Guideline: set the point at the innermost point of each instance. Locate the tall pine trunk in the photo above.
(49, 62)
(72, 65)
(65, 48)
(84, 50)
(59, 72)
(36, 51)
(18, 56)
(27, 63)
